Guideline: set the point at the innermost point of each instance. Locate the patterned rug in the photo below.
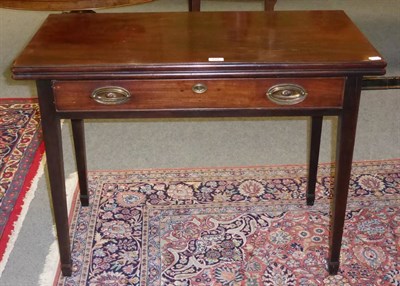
(21, 150)
(234, 226)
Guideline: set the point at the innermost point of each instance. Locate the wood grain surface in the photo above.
(178, 94)
(152, 44)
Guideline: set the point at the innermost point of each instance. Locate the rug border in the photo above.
(304, 165)
(30, 99)
(22, 205)
(17, 215)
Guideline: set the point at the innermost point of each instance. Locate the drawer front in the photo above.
(105, 95)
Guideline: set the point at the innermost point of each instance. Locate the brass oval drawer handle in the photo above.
(199, 88)
(111, 95)
(286, 94)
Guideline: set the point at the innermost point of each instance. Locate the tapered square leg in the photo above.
(315, 142)
(55, 166)
(344, 154)
(80, 155)
(194, 5)
(269, 5)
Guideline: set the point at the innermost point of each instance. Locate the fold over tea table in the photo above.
(208, 64)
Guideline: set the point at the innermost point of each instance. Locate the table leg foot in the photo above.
(66, 269)
(84, 200)
(310, 199)
(333, 267)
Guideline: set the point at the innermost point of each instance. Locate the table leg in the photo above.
(194, 5)
(315, 142)
(55, 166)
(269, 5)
(78, 133)
(344, 153)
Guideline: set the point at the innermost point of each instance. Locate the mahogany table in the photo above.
(209, 64)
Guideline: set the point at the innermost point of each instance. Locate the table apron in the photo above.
(197, 113)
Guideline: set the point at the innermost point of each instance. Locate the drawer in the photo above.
(117, 95)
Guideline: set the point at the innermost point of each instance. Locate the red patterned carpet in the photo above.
(234, 226)
(21, 150)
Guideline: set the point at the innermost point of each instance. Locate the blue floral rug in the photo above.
(234, 226)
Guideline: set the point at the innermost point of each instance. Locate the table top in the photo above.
(185, 44)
